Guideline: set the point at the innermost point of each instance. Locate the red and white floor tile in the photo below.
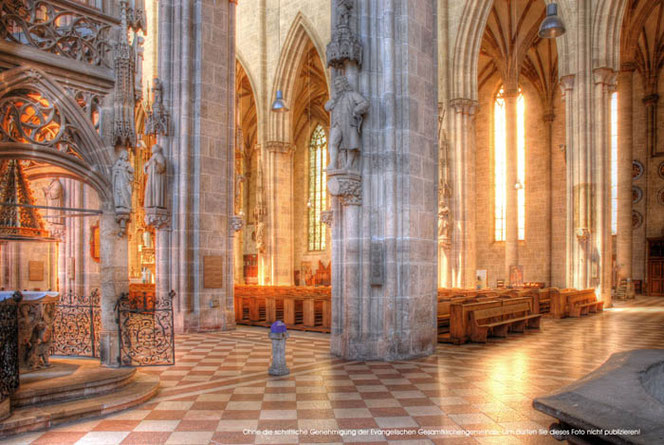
(219, 391)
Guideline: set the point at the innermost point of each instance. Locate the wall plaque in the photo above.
(377, 255)
(213, 267)
(35, 270)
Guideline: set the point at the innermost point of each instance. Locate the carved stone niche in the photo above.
(345, 185)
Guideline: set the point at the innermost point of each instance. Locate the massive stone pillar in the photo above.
(462, 174)
(280, 212)
(385, 199)
(114, 281)
(197, 68)
(511, 95)
(625, 159)
(605, 83)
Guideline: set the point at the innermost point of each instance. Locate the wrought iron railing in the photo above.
(77, 325)
(146, 330)
(9, 376)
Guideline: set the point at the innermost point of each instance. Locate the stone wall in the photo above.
(650, 183)
(545, 199)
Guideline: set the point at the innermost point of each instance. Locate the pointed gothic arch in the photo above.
(607, 26)
(301, 34)
(75, 146)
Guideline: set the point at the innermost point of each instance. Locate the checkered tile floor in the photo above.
(219, 391)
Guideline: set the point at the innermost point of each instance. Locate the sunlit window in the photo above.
(317, 188)
(500, 166)
(614, 163)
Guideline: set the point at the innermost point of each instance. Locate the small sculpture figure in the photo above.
(155, 189)
(139, 50)
(123, 175)
(347, 108)
(54, 195)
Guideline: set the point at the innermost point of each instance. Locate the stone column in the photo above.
(384, 233)
(567, 95)
(197, 70)
(650, 101)
(511, 95)
(114, 281)
(280, 212)
(462, 174)
(601, 254)
(625, 159)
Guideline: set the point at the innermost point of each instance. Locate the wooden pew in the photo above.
(300, 307)
(560, 301)
(583, 304)
(499, 320)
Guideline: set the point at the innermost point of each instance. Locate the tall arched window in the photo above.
(500, 165)
(614, 163)
(317, 188)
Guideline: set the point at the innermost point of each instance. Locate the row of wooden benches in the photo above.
(500, 311)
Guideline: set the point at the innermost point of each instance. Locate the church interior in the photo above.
(331, 221)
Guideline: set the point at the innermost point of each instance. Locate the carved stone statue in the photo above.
(139, 50)
(260, 236)
(444, 222)
(55, 195)
(155, 189)
(123, 175)
(347, 108)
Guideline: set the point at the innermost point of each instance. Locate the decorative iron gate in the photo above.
(9, 346)
(146, 330)
(77, 325)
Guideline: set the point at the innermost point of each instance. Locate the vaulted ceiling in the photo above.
(511, 48)
(311, 93)
(642, 39)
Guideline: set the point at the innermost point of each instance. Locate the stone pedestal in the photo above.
(278, 335)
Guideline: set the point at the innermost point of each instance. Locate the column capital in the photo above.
(511, 92)
(464, 106)
(566, 84)
(279, 147)
(605, 77)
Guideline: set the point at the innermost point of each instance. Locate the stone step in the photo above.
(58, 383)
(141, 388)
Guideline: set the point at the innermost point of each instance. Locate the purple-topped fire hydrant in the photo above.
(278, 334)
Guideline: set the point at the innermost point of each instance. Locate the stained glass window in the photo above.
(317, 188)
(614, 163)
(500, 166)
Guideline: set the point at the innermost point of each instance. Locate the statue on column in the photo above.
(123, 175)
(54, 195)
(155, 189)
(347, 109)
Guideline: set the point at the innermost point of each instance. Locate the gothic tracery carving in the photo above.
(56, 29)
(27, 116)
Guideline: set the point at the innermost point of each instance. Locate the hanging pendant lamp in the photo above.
(279, 106)
(552, 26)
